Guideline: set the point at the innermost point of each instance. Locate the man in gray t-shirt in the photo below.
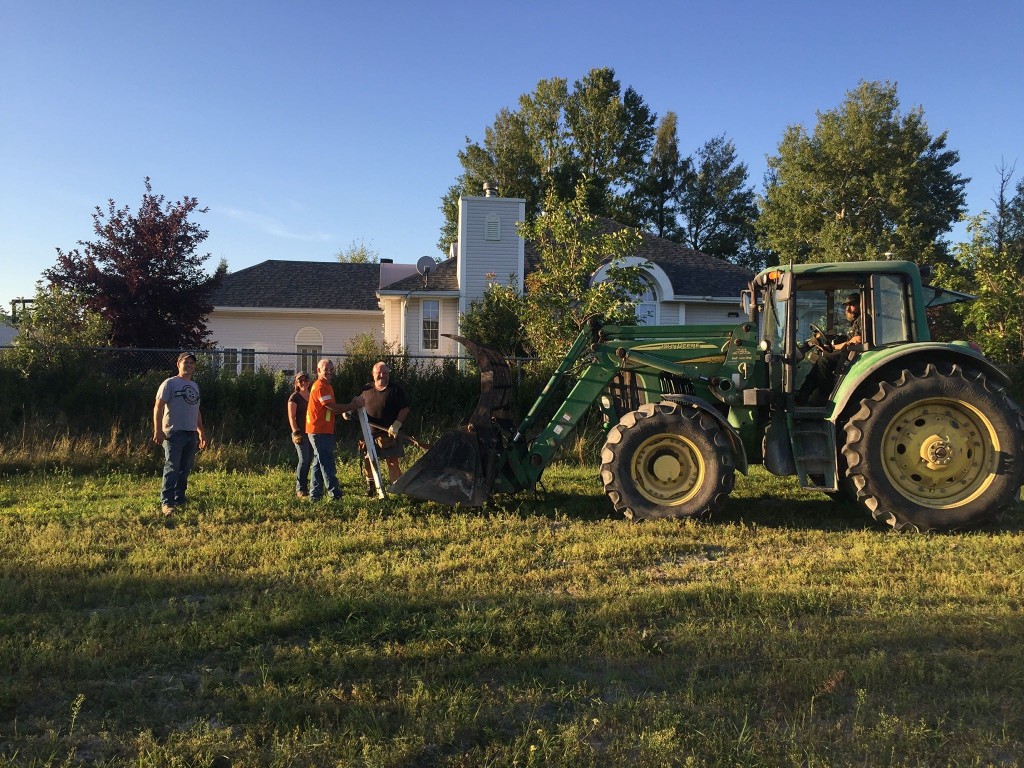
(178, 425)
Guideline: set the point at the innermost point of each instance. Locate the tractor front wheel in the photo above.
(938, 449)
(667, 460)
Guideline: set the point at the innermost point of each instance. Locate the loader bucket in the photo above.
(460, 467)
(449, 473)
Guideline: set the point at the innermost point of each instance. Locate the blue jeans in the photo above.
(305, 452)
(179, 457)
(323, 468)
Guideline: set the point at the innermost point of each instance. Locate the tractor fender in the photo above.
(739, 453)
(869, 366)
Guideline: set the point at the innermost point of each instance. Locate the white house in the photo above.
(313, 308)
(7, 331)
(685, 286)
(286, 314)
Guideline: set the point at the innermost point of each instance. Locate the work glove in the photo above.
(298, 437)
(394, 428)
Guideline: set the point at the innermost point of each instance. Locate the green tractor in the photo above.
(921, 433)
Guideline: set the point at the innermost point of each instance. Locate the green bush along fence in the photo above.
(105, 390)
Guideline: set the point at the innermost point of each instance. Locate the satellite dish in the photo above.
(425, 264)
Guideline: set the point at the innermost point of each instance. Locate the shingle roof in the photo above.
(443, 277)
(691, 272)
(332, 285)
(694, 273)
(301, 285)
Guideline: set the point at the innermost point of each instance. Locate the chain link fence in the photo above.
(120, 361)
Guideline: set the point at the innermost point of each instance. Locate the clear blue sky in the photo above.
(305, 126)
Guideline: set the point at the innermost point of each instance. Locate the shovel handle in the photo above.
(403, 436)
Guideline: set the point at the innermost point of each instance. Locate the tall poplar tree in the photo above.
(656, 196)
(716, 208)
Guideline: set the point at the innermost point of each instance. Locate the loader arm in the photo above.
(469, 464)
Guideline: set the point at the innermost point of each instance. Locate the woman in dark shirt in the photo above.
(297, 403)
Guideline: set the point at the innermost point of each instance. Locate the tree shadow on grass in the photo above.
(814, 512)
(254, 659)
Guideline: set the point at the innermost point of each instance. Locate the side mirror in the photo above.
(784, 286)
(748, 305)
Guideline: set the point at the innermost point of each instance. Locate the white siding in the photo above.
(275, 331)
(479, 254)
(711, 314)
(668, 313)
(450, 324)
(393, 321)
(413, 327)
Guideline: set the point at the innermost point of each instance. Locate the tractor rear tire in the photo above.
(938, 449)
(667, 460)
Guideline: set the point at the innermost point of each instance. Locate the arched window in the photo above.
(309, 346)
(648, 307)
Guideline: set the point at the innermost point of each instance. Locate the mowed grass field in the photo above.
(255, 629)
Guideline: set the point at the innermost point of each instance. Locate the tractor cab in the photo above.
(807, 325)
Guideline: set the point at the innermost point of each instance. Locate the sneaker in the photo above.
(167, 509)
(301, 496)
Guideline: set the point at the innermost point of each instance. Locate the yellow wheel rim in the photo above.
(667, 470)
(940, 453)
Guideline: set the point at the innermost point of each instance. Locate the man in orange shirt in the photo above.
(320, 427)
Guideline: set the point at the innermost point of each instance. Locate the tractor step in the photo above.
(814, 448)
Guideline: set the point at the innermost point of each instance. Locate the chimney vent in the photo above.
(490, 189)
(387, 261)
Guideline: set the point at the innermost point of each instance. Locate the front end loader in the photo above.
(618, 367)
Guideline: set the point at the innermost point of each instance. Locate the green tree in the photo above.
(358, 252)
(496, 319)
(867, 182)
(1006, 227)
(991, 272)
(612, 133)
(991, 266)
(143, 274)
(504, 158)
(656, 195)
(56, 332)
(596, 135)
(561, 295)
(717, 210)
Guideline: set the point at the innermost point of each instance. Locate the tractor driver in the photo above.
(821, 378)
